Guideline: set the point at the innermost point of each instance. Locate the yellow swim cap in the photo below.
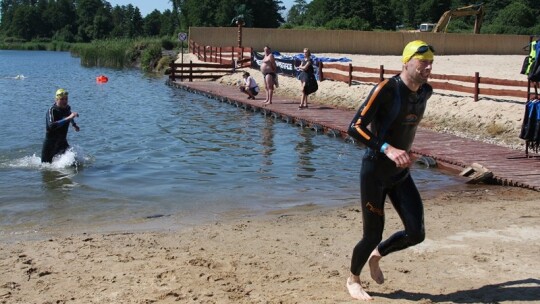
(417, 49)
(61, 92)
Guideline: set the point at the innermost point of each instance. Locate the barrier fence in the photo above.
(240, 56)
(438, 81)
(235, 57)
(190, 71)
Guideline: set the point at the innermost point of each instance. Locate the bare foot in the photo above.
(375, 270)
(356, 291)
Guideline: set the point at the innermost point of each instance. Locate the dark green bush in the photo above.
(150, 56)
(167, 44)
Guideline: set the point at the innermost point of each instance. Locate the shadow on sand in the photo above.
(520, 290)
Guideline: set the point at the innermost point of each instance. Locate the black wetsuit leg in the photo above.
(52, 148)
(373, 195)
(408, 204)
(374, 186)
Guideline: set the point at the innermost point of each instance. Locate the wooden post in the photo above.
(381, 72)
(321, 75)
(476, 85)
(241, 54)
(240, 24)
(171, 76)
(350, 74)
(191, 71)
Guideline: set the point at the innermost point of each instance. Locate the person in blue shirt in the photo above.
(57, 121)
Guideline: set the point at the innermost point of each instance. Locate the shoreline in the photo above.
(291, 256)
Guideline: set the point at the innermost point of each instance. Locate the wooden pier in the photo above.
(509, 167)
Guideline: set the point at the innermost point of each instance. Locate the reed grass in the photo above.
(120, 53)
(145, 53)
(35, 46)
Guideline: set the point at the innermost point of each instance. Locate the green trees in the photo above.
(259, 13)
(79, 21)
(502, 16)
(514, 18)
(87, 20)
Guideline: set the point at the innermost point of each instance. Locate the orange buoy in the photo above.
(102, 79)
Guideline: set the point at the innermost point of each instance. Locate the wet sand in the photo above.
(479, 248)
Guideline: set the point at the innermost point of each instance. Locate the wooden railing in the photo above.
(441, 82)
(190, 71)
(240, 56)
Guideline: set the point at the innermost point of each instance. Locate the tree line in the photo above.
(501, 16)
(87, 20)
(80, 20)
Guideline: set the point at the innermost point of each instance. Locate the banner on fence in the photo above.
(285, 65)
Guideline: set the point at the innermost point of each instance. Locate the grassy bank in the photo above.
(143, 53)
(42, 45)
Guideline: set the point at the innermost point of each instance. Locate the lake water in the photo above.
(155, 157)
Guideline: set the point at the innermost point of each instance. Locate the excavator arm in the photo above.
(476, 10)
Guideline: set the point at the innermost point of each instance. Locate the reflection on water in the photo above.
(56, 182)
(268, 143)
(305, 149)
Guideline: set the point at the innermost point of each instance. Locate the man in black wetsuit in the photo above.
(393, 110)
(57, 121)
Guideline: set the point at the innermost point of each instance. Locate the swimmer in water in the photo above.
(57, 121)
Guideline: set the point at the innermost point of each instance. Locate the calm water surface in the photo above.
(154, 157)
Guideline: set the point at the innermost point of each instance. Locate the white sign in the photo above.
(182, 36)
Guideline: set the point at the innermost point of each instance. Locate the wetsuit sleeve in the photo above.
(358, 128)
(53, 119)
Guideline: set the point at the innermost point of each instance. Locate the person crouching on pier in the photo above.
(250, 86)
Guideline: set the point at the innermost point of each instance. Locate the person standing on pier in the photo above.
(307, 78)
(57, 121)
(269, 71)
(394, 109)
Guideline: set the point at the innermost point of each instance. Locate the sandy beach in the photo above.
(480, 242)
(480, 248)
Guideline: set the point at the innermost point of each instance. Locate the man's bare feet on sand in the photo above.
(374, 269)
(355, 289)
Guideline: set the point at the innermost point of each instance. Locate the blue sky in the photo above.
(146, 6)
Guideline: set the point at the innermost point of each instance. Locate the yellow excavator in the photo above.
(476, 10)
